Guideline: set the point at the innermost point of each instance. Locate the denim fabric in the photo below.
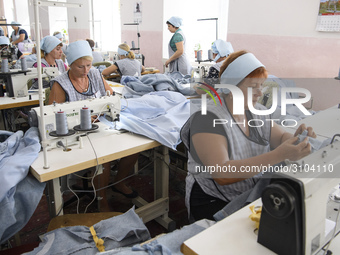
(138, 86)
(18, 208)
(315, 143)
(17, 153)
(122, 230)
(244, 199)
(166, 244)
(157, 115)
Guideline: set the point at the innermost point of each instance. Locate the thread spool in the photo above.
(23, 64)
(85, 118)
(61, 123)
(4, 65)
(133, 44)
(210, 55)
(199, 56)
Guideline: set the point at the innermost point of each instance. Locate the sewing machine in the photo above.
(300, 208)
(16, 80)
(109, 106)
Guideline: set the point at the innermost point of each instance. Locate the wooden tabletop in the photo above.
(14, 102)
(108, 145)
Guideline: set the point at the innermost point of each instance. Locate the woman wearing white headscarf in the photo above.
(178, 61)
(221, 50)
(234, 147)
(19, 34)
(80, 82)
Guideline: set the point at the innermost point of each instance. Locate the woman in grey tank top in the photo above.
(219, 154)
(126, 65)
(81, 82)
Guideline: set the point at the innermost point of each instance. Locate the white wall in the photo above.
(282, 35)
(151, 29)
(79, 21)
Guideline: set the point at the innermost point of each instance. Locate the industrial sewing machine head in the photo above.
(298, 216)
(108, 106)
(16, 80)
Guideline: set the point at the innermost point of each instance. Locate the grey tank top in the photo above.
(96, 85)
(240, 147)
(129, 67)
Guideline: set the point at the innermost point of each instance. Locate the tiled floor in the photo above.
(143, 183)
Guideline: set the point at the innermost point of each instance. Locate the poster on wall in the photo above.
(137, 12)
(329, 16)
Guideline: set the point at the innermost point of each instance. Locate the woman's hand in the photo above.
(302, 128)
(167, 63)
(290, 150)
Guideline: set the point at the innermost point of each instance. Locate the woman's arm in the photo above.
(107, 86)
(111, 69)
(179, 52)
(20, 39)
(143, 69)
(212, 150)
(57, 94)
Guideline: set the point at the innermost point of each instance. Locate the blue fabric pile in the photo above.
(20, 193)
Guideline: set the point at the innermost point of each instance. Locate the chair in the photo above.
(103, 63)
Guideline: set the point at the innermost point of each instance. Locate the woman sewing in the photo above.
(126, 65)
(18, 35)
(178, 60)
(51, 52)
(81, 82)
(234, 146)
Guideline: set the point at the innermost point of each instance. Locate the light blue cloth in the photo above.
(165, 244)
(176, 21)
(138, 86)
(59, 36)
(4, 40)
(77, 50)
(14, 23)
(157, 115)
(48, 43)
(18, 152)
(19, 194)
(238, 70)
(2, 33)
(122, 230)
(19, 206)
(221, 48)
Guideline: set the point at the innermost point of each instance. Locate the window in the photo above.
(202, 32)
(106, 24)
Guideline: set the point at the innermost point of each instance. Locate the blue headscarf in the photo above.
(221, 48)
(59, 36)
(14, 23)
(175, 21)
(4, 40)
(48, 43)
(239, 69)
(77, 50)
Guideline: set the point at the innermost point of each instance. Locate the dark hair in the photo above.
(171, 24)
(91, 42)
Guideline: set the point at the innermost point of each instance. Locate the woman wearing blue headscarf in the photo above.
(126, 65)
(236, 145)
(221, 50)
(178, 60)
(19, 34)
(80, 82)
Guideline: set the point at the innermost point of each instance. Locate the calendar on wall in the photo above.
(329, 16)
